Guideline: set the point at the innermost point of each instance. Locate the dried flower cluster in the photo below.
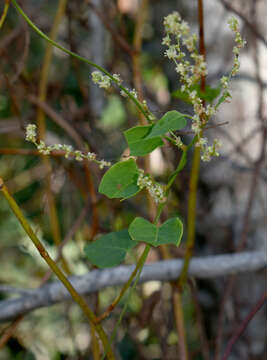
(155, 190)
(31, 135)
(179, 38)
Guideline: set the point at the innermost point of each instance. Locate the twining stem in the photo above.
(56, 270)
(138, 266)
(142, 263)
(81, 58)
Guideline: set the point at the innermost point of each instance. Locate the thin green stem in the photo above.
(142, 261)
(56, 270)
(81, 58)
(3, 16)
(138, 266)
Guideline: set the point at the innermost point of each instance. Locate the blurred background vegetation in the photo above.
(53, 193)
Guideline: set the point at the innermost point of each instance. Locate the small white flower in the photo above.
(103, 163)
(201, 142)
(43, 149)
(171, 53)
(210, 111)
(133, 93)
(166, 41)
(225, 82)
(102, 80)
(31, 133)
(68, 149)
(233, 24)
(91, 156)
(78, 155)
(178, 142)
(57, 147)
(117, 78)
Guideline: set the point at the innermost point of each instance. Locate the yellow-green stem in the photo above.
(3, 17)
(56, 270)
(191, 216)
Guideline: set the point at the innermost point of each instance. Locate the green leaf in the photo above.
(109, 250)
(143, 230)
(171, 121)
(208, 95)
(181, 95)
(169, 232)
(120, 181)
(138, 144)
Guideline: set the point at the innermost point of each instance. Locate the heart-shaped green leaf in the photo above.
(143, 230)
(169, 232)
(109, 250)
(138, 143)
(120, 181)
(171, 121)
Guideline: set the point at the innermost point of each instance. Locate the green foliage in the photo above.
(169, 232)
(171, 121)
(137, 140)
(144, 139)
(109, 250)
(120, 181)
(209, 95)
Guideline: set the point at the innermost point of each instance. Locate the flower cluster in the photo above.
(178, 37)
(31, 136)
(239, 44)
(208, 150)
(31, 133)
(177, 141)
(155, 190)
(133, 92)
(104, 81)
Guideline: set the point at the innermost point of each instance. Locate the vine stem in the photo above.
(138, 267)
(56, 270)
(4, 14)
(138, 274)
(79, 57)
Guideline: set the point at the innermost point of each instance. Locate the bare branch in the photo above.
(54, 292)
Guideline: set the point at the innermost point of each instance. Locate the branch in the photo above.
(242, 327)
(250, 25)
(54, 292)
